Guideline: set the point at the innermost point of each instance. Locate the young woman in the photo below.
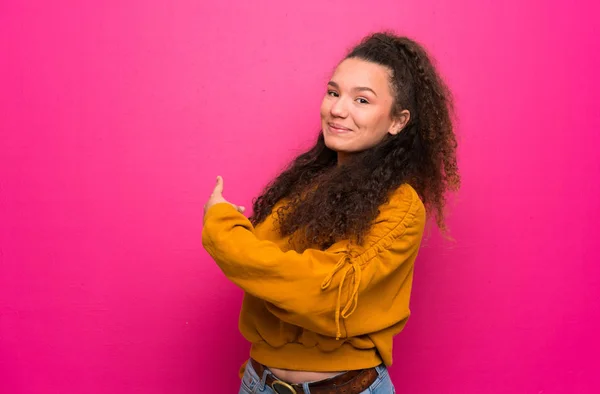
(326, 260)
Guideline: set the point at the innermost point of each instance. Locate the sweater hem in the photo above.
(297, 357)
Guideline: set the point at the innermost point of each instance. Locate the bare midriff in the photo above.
(295, 377)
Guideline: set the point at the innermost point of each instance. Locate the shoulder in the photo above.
(402, 215)
(402, 202)
(403, 205)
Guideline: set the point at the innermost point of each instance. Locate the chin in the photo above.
(331, 143)
(339, 149)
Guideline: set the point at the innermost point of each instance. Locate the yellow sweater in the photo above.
(320, 310)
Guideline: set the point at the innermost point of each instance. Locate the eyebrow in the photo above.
(357, 88)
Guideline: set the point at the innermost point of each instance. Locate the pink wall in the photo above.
(116, 116)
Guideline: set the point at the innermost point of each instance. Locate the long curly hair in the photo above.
(325, 202)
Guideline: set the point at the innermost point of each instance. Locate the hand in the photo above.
(217, 197)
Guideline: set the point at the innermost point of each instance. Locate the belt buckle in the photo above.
(281, 387)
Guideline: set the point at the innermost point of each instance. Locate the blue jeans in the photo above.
(253, 384)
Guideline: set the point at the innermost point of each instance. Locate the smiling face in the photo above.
(356, 111)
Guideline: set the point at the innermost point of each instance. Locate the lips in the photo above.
(337, 128)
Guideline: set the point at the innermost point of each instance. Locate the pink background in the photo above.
(116, 117)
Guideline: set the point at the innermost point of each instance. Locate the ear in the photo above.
(399, 122)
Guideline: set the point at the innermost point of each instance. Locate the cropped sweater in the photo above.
(320, 310)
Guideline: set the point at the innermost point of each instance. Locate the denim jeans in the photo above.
(253, 384)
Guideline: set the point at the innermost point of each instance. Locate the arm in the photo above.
(308, 289)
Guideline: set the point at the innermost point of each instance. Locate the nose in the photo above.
(339, 109)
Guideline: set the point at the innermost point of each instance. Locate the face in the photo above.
(356, 111)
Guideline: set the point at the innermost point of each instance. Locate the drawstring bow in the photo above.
(352, 303)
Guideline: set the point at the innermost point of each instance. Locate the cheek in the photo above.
(364, 120)
(324, 109)
(371, 119)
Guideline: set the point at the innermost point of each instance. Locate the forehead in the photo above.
(357, 72)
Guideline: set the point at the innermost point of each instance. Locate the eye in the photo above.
(332, 93)
(362, 100)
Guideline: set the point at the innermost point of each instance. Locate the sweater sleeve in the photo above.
(309, 288)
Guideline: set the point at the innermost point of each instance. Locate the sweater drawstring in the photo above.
(352, 303)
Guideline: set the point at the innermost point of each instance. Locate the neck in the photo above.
(341, 157)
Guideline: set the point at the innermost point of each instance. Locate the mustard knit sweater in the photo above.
(320, 310)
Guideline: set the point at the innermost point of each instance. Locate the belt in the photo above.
(351, 382)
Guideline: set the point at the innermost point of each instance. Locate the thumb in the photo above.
(219, 186)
